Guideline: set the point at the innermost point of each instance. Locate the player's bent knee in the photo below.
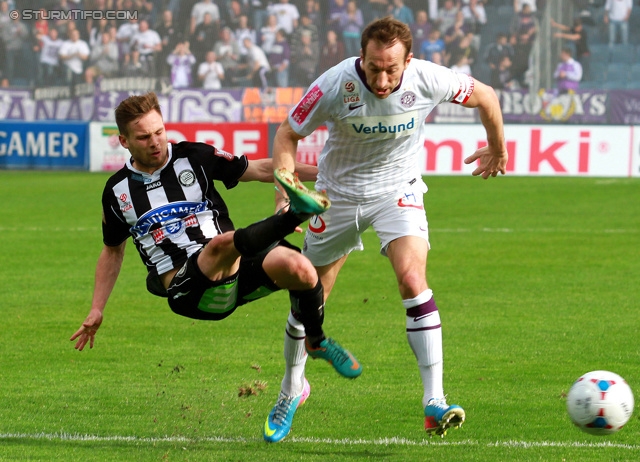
(302, 268)
(284, 264)
(411, 282)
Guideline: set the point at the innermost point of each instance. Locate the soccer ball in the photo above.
(600, 402)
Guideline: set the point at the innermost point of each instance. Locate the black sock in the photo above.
(261, 235)
(308, 305)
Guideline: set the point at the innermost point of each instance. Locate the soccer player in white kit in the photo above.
(374, 108)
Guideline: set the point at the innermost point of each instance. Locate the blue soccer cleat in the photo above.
(341, 360)
(439, 416)
(303, 201)
(278, 424)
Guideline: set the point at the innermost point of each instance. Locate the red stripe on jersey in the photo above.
(306, 104)
(466, 88)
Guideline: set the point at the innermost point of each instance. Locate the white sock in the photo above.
(295, 356)
(424, 334)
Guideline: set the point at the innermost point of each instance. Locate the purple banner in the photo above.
(624, 107)
(185, 105)
(548, 106)
(613, 107)
(21, 105)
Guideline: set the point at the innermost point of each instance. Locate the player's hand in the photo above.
(87, 332)
(491, 162)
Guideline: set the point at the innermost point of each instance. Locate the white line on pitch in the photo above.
(330, 441)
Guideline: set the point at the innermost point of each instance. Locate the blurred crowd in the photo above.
(239, 43)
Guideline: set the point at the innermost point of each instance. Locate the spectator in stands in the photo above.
(518, 5)
(462, 65)
(268, 33)
(494, 54)
(103, 60)
(578, 35)
(375, 9)
(258, 64)
(616, 15)
(5, 17)
(181, 62)
(314, 12)
(332, 51)
(148, 10)
(41, 25)
(211, 72)
(447, 15)
(433, 44)
(304, 60)
(148, 43)
(125, 33)
(63, 20)
(170, 36)
(475, 17)
(525, 23)
(305, 26)
(461, 47)
(437, 58)
(95, 34)
(520, 61)
(402, 12)
(230, 15)
(568, 72)
(198, 12)
(73, 53)
(49, 64)
(420, 30)
(243, 31)
(228, 54)
(351, 23)
(279, 57)
(15, 36)
(132, 67)
(335, 9)
(503, 78)
(204, 37)
(287, 14)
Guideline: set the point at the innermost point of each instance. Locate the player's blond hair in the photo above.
(387, 31)
(133, 108)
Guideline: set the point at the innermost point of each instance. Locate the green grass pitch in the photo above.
(537, 281)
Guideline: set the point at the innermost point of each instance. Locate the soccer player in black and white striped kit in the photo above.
(165, 199)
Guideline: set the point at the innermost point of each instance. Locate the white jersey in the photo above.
(374, 145)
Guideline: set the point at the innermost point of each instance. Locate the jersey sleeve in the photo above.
(218, 164)
(444, 84)
(314, 109)
(115, 230)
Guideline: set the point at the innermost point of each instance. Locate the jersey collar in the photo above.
(144, 176)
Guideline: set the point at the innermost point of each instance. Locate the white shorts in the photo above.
(338, 231)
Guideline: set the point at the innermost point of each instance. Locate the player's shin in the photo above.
(295, 356)
(308, 305)
(259, 236)
(424, 334)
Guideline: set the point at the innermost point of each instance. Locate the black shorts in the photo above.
(194, 295)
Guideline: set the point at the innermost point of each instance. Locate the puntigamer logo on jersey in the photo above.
(390, 127)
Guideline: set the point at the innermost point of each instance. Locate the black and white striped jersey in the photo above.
(176, 210)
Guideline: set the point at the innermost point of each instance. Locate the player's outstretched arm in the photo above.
(262, 170)
(285, 146)
(107, 271)
(493, 157)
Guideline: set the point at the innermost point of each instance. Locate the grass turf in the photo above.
(535, 278)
